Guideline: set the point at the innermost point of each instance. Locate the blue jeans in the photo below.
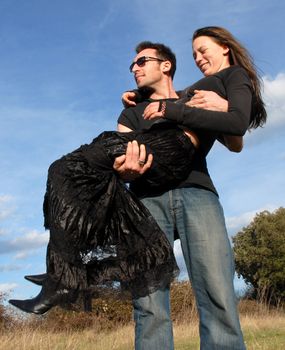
(197, 216)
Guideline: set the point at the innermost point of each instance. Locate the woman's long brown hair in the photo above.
(239, 56)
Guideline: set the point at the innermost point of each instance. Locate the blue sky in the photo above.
(63, 67)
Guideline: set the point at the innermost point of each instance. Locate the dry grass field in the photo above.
(263, 331)
(110, 327)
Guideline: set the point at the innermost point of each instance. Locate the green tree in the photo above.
(260, 255)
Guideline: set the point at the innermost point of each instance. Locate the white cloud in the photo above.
(274, 95)
(236, 223)
(177, 248)
(34, 238)
(275, 86)
(10, 267)
(180, 260)
(30, 241)
(274, 98)
(23, 255)
(7, 287)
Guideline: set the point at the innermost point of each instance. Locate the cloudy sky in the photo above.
(63, 67)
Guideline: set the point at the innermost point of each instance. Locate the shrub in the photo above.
(6, 319)
(260, 255)
(182, 301)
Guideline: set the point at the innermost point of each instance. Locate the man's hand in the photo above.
(208, 100)
(128, 99)
(134, 163)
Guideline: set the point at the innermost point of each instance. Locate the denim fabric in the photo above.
(197, 216)
(153, 326)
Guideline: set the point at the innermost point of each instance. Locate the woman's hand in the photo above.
(134, 163)
(212, 101)
(153, 111)
(128, 99)
(208, 100)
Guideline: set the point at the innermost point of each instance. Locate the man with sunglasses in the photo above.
(193, 206)
(141, 61)
(153, 69)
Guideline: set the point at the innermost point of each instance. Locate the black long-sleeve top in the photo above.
(231, 83)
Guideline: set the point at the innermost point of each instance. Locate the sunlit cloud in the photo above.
(236, 223)
(10, 267)
(274, 98)
(29, 241)
(23, 255)
(7, 287)
(180, 260)
(274, 95)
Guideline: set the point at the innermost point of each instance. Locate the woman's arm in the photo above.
(212, 101)
(123, 128)
(233, 143)
(234, 122)
(209, 100)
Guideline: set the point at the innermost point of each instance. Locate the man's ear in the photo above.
(166, 66)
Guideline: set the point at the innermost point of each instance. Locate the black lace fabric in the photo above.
(100, 232)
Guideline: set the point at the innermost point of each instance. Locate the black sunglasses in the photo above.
(142, 60)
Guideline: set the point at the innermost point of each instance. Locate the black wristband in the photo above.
(162, 107)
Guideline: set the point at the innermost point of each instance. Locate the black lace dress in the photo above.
(100, 232)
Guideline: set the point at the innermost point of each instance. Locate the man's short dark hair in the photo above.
(163, 52)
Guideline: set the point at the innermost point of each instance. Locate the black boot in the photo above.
(37, 279)
(42, 303)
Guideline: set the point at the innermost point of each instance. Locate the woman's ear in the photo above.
(226, 50)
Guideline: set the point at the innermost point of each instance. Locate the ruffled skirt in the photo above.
(100, 232)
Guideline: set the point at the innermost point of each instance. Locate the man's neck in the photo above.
(164, 90)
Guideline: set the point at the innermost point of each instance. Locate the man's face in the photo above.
(150, 73)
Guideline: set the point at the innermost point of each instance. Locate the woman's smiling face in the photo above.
(210, 57)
